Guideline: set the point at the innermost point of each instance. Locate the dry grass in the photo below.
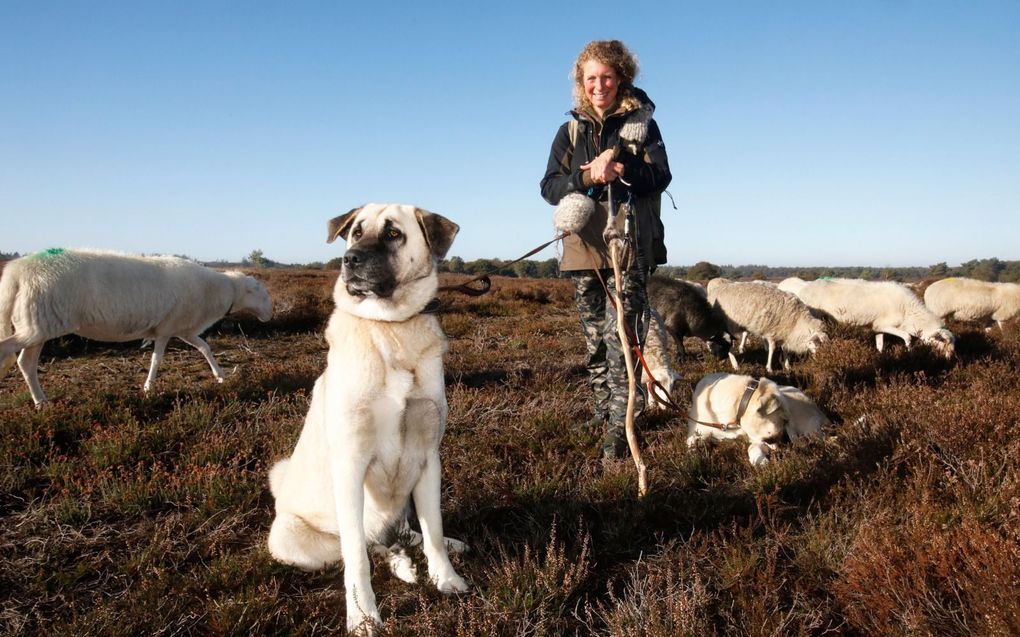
(126, 515)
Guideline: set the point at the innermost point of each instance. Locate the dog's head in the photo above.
(765, 417)
(389, 268)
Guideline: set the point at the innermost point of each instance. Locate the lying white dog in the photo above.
(728, 406)
(371, 437)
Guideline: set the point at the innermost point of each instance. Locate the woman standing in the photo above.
(589, 157)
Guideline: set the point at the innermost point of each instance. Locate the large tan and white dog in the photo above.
(727, 406)
(370, 441)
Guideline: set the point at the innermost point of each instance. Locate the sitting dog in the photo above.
(727, 406)
(370, 441)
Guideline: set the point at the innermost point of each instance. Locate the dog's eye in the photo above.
(393, 234)
(356, 233)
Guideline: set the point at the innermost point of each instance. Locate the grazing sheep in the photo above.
(885, 306)
(768, 313)
(656, 354)
(728, 406)
(685, 311)
(115, 297)
(972, 300)
(792, 284)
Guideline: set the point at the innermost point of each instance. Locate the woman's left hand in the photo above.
(603, 169)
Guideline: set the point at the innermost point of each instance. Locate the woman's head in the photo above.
(604, 72)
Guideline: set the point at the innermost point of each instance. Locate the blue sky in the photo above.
(883, 133)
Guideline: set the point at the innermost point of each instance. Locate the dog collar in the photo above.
(745, 400)
(432, 307)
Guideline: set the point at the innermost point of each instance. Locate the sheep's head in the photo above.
(942, 341)
(255, 300)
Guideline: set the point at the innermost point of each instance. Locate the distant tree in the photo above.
(257, 259)
(887, 274)
(867, 274)
(1010, 272)
(549, 269)
(758, 275)
(939, 270)
(986, 269)
(5, 256)
(453, 264)
(526, 268)
(703, 271)
(335, 263)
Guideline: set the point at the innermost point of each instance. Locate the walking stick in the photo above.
(616, 249)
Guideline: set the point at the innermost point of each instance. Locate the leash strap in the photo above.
(465, 287)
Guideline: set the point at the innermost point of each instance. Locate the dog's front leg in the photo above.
(347, 472)
(426, 501)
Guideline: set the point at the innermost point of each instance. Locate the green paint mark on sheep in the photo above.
(49, 253)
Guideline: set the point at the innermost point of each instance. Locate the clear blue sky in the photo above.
(880, 133)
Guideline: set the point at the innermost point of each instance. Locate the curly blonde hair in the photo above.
(611, 53)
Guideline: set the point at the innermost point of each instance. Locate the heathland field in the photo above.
(126, 514)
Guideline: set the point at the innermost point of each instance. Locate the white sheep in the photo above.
(965, 299)
(656, 355)
(886, 307)
(767, 312)
(115, 297)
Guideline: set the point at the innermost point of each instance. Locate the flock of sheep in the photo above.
(789, 317)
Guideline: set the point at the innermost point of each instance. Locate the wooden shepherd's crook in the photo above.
(616, 247)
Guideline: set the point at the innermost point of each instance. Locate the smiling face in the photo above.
(601, 85)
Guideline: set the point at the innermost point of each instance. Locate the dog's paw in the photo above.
(359, 623)
(455, 546)
(449, 582)
(402, 567)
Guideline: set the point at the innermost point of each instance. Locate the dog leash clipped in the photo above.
(465, 287)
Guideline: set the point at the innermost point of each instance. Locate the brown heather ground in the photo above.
(129, 515)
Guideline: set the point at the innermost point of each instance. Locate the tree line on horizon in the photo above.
(992, 269)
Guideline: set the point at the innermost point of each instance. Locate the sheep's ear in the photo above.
(340, 226)
(769, 401)
(438, 230)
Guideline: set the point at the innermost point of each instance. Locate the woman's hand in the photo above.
(603, 169)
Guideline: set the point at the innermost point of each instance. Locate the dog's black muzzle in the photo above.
(368, 272)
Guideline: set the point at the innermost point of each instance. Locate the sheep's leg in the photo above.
(158, 348)
(772, 351)
(743, 341)
(202, 346)
(733, 361)
(879, 340)
(28, 363)
(893, 331)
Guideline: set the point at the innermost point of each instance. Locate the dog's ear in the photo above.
(340, 226)
(769, 401)
(438, 230)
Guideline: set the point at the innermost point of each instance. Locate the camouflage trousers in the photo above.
(607, 367)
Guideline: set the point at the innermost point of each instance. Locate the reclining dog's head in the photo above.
(389, 269)
(765, 417)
